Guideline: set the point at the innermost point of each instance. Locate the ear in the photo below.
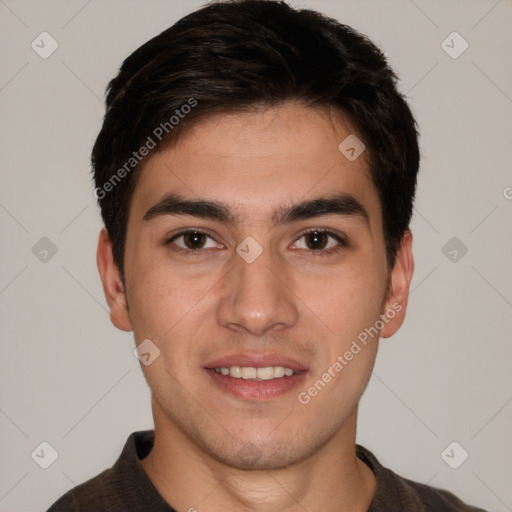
(398, 291)
(112, 285)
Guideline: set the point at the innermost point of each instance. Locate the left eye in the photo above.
(318, 240)
(194, 240)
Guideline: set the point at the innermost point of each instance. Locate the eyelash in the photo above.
(342, 243)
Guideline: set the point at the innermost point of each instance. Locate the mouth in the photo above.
(256, 378)
(251, 373)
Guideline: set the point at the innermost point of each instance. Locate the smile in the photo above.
(249, 372)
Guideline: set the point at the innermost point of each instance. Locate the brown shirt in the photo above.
(126, 488)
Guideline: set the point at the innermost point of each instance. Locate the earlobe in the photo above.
(399, 284)
(112, 283)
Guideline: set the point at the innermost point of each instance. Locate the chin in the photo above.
(262, 456)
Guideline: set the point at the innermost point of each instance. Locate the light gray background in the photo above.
(69, 377)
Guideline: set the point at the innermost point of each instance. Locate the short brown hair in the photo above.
(238, 54)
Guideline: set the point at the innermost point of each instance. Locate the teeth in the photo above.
(265, 373)
(235, 371)
(279, 371)
(248, 372)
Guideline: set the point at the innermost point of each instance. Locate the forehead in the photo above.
(256, 161)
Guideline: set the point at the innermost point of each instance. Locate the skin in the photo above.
(214, 451)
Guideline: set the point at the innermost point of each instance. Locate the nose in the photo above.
(256, 297)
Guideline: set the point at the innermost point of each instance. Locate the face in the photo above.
(255, 249)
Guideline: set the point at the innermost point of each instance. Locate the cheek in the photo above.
(173, 311)
(348, 307)
(345, 301)
(158, 294)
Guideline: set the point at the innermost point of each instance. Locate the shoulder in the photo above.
(396, 493)
(433, 499)
(93, 495)
(124, 486)
(63, 504)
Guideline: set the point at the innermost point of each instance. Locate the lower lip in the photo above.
(256, 390)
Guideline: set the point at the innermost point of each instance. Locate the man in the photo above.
(255, 171)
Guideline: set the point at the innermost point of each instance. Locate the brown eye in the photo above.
(316, 240)
(321, 241)
(193, 241)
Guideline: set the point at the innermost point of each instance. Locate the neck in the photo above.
(190, 479)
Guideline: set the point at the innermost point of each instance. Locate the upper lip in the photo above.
(255, 360)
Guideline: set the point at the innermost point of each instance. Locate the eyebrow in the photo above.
(337, 204)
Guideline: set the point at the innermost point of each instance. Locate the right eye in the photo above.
(193, 240)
